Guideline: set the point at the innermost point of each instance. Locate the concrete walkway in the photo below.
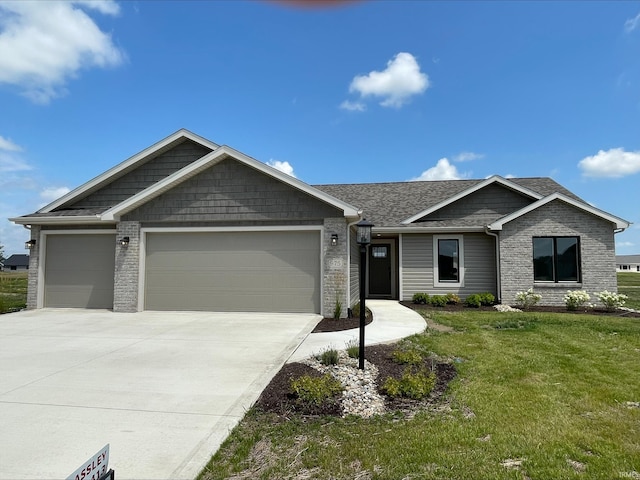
(391, 322)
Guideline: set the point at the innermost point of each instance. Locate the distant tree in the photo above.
(2, 253)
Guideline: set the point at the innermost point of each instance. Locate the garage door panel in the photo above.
(233, 271)
(79, 271)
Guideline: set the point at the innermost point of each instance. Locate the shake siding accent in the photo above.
(597, 252)
(144, 176)
(483, 206)
(417, 266)
(231, 191)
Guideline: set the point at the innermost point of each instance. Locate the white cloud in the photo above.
(8, 145)
(625, 244)
(632, 23)
(396, 84)
(353, 106)
(442, 171)
(467, 157)
(611, 163)
(284, 167)
(50, 194)
(44, 44)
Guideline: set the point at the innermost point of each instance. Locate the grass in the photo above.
(13, 291)
(537, 395)
(629, 284)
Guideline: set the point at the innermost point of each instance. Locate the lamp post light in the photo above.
(363, 237)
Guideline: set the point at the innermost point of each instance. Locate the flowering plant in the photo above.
(576, 299)
(610, 300)
(527, 299)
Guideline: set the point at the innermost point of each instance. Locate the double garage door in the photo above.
(273, 271)
(276, 271)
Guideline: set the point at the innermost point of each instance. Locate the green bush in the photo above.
(420, 298)
(438, 300)
(353, 348)
(473, 300)
(452, 299)
(315, 390)
(329, 357)
(337, 310)
(412, 385)
(487, 299)
(409, 356)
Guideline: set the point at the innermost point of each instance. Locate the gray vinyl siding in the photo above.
(597, 252)
(144, 176)
(482, 207)
(418, 273)
(232, 191)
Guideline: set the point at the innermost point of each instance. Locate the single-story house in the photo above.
(188, 224)
(16, 263)
(628, 263)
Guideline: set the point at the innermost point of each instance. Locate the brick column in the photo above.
(34, 264)
(334, 276)
(126, 277)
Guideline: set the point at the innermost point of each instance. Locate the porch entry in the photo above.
(381, 279)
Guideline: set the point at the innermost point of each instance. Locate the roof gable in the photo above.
(617, 221)
(474, 188)
(128, 165)
(17, 260)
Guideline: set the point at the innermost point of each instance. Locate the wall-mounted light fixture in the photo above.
(334, 239)
(124, 241)
(29, 244)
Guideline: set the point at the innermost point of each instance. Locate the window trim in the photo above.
(555, 279)
(436, 272)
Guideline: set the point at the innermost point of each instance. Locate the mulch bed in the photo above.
(277, 397)
(337, 325)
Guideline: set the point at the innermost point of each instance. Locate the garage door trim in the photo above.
(42, 254)
(230, 229)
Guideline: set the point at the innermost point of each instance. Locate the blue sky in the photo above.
(370, 91)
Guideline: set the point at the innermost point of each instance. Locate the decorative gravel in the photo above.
(360, 396)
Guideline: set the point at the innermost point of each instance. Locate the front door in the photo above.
(380, 270)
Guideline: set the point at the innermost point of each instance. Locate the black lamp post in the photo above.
(363, 237)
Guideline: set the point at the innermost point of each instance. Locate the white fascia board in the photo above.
(207, 161)
(470, 190)
(412, 229)
(619, 222)
(84, 219)
(127, 164)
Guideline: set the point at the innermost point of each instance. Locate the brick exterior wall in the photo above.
(336, 267)
(34, 265)
(597, 252)
(126, 277)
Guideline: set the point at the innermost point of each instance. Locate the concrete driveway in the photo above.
(162, 388)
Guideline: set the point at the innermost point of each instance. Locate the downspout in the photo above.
(498, 276)
(349, 225)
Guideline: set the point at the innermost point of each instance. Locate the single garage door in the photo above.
(79, 270)
(233, 271)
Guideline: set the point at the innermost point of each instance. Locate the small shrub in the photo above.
(409, 356)
(420, 298)
(337, 309)
(412, 385)
(356, 310)
(576, 299)
(315, 390)
(473, 300)
(452, 299)
(611, 301)
(329, 357)
(527, 299)
(438, 300)
(487, 299)
(353, 348)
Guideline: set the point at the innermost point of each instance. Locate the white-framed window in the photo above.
(448, 261)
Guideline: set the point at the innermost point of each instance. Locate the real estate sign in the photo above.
(95, 468)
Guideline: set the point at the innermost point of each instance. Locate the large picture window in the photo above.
(556, 259)
(448, 260)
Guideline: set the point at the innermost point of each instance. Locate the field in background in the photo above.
(629, 284)
(13, 291)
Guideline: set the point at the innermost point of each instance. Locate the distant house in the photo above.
(17, 262)
(191, 225)
(628, 263)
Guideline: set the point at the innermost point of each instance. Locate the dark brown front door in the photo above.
(380, 269)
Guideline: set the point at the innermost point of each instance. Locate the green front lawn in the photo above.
(629, 284)
(539, 396)
(13, 291)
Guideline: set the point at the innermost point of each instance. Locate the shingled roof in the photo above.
(389, 204)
